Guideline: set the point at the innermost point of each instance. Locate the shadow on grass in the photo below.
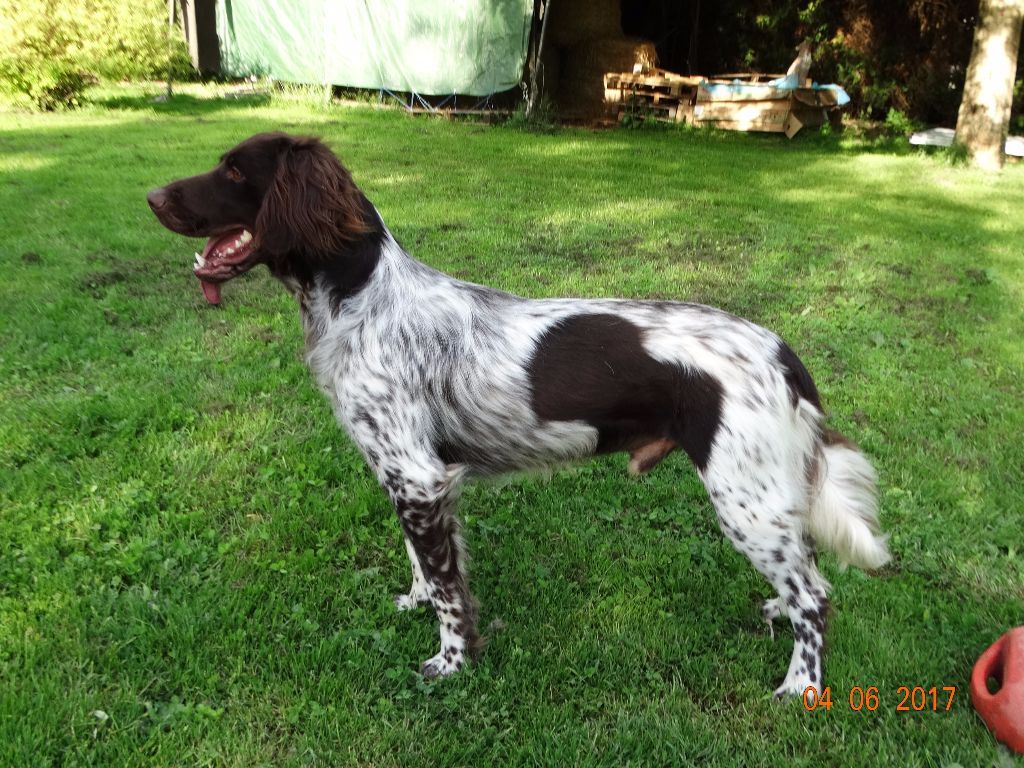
(841, 141)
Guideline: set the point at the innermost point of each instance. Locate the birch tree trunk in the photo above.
(984, 116)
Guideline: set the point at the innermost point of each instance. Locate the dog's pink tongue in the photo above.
(211, 291)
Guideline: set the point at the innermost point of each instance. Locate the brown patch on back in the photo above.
(647, 456)
(594, 368)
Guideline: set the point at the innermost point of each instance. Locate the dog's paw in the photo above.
(410, 601)
(795, 689)
(443, 664)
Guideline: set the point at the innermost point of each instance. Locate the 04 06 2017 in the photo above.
(906, 698)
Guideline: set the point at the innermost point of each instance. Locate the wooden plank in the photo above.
(729, 109)
(821, 97)
(745, 127)
(622, 79)
(792, 126)
(753, 77)
(751, 93)
(770, 115)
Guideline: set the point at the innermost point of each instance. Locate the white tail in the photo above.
(844, 507)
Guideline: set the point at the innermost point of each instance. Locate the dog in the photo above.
(436, 379)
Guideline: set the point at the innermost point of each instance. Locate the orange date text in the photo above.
(907, 698)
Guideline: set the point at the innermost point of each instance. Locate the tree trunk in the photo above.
(538, 65)
(984, 116)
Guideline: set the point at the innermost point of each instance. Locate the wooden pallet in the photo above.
(658, 94)
(669, 113)
(657, 80)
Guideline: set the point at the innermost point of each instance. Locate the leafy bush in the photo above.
(898, 124)
(51, 50)
(58, 87)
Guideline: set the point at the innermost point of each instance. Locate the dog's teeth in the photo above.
(245, 237)
(200, 261)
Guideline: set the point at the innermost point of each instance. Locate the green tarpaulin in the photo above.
(439, 47)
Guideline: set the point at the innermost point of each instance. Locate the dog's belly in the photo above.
(500, 442)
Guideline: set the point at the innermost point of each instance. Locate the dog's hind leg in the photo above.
(418, 593)
(802, 590)
(761, 499)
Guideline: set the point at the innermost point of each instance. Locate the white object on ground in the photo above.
(943, 137)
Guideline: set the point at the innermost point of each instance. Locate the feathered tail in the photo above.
(844, 504)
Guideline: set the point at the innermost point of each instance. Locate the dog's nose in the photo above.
(157, 199)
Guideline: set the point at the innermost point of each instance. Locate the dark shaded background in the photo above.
(908, 55)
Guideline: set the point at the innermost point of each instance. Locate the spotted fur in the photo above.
(436, 380)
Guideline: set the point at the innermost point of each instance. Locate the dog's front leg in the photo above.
(425, 502)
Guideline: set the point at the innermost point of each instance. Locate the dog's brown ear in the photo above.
(312, 206)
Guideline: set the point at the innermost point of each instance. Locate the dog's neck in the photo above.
(342, 273)
(337, 292)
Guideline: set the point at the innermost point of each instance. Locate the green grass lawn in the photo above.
(197, 569)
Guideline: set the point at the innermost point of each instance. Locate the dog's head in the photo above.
(271, 198)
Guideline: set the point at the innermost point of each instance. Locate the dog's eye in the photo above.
(234, 174)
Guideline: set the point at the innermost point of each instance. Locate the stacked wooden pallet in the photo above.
(657, 93)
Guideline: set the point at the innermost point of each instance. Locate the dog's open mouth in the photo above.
(224, 257)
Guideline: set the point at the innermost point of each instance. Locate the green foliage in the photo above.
(541, 120)
(638, 114)
(49, 85)
(955, 154)
(51, 50)
(898, 124)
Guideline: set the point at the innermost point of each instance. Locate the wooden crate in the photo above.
(744, 115)
(764, 108)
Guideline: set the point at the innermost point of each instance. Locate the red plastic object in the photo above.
(1002, 711)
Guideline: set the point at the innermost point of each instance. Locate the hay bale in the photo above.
(581, 87)
(574, 21)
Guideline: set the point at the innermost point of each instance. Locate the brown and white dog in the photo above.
(435, 379)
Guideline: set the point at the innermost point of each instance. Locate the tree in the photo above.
(984, 117)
